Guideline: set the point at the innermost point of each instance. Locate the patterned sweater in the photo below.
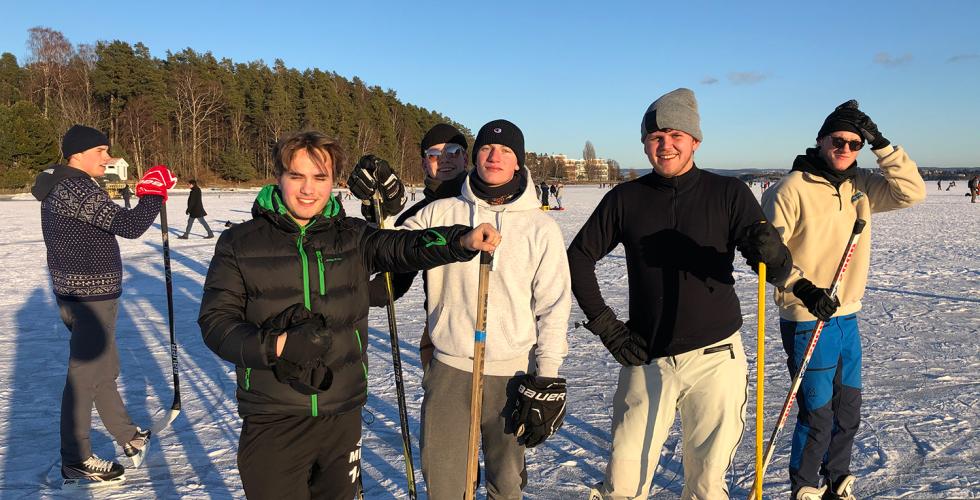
(80, 224)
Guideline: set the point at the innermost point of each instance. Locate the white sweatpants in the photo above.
(708, 387)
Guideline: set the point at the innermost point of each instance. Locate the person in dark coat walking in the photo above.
(126, 194)
(195, 210)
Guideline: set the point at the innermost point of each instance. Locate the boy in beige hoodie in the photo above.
(814, 208)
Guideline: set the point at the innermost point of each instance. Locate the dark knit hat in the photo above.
(500, 132)
(442, 133)
(677, 110)
(844, 117)
(80, 138)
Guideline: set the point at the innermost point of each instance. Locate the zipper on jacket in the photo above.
(719, 348)
(319, 263)
(360, 350)
(248, 378)
(306, 267)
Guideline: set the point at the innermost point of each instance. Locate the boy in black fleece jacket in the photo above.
(680, 350)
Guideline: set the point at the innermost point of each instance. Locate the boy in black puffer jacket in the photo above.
(286, 301)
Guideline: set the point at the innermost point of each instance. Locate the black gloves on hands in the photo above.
(540, 409)
(301, 365)
(817, 300)
(761, 243)
(370, 174)
(626, 346)
(871, 134)
(849, 112)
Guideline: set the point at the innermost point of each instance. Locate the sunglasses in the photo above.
(448, 150)
(839, 143)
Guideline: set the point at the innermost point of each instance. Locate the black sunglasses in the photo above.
(839, 143)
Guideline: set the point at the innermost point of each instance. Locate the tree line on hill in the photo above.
(205, 118)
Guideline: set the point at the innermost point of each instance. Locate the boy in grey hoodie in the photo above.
(528, 308)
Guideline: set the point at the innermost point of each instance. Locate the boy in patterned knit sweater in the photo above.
(80, 224)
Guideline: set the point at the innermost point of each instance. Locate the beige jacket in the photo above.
(815, 220)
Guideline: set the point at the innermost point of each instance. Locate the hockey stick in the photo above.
(169, 417)
(760, 376)
(798, 378)
(396, 360)
(476, 392)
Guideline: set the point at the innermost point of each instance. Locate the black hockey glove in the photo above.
(540, 409)
(300, 364)
(849, 112)
(817, 300)
(370, 174)
(626, 346)
(761, 243)
(871, 134)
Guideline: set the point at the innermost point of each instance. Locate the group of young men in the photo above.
(287, 294)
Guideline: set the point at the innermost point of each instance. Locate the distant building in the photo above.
(578, 170)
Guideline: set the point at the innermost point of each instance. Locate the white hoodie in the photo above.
(529, 295)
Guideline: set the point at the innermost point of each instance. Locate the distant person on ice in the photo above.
(126, 194)
(814, 208)
(974, 186)
(195, 211)
(559, 192)
(80, 224)
(544, 190)
(681, 349)
(286, 301)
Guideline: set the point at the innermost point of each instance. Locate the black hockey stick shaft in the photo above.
(170, 302)
(396, 360)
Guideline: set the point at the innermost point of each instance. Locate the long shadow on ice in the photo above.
(33, 404)
(201, 373)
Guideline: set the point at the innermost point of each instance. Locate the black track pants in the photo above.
(295, 457)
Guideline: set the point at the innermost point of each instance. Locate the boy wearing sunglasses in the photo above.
(814, 208)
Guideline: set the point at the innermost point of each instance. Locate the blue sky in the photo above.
(765, 74)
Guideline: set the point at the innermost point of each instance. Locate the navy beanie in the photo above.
(500, 132)
(80, 138)
(845, 117)
(442, 134)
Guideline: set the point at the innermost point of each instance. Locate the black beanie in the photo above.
(845, 117)
(80, 138)
(442, 134)
(500, 132)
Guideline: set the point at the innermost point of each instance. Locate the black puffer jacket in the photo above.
(263, 266)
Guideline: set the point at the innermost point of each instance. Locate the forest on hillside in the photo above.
(206, 118)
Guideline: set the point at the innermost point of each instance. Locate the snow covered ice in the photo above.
(919, 327)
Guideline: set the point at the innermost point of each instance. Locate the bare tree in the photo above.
(48, 55)
(197, 101)
(591, 165)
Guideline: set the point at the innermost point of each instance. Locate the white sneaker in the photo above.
(844, 489)
(810, 493)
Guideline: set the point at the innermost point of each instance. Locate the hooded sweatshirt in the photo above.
(529, 297)
(815, 217)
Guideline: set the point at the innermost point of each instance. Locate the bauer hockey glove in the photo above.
(540, 409)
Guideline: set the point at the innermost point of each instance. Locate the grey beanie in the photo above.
(677, 109)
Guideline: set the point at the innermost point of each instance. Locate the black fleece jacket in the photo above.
(680, 236)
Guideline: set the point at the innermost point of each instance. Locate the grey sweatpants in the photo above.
(707, 387)
(93, 366)
(445, 427)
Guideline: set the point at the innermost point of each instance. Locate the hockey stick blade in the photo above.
(164, 421)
